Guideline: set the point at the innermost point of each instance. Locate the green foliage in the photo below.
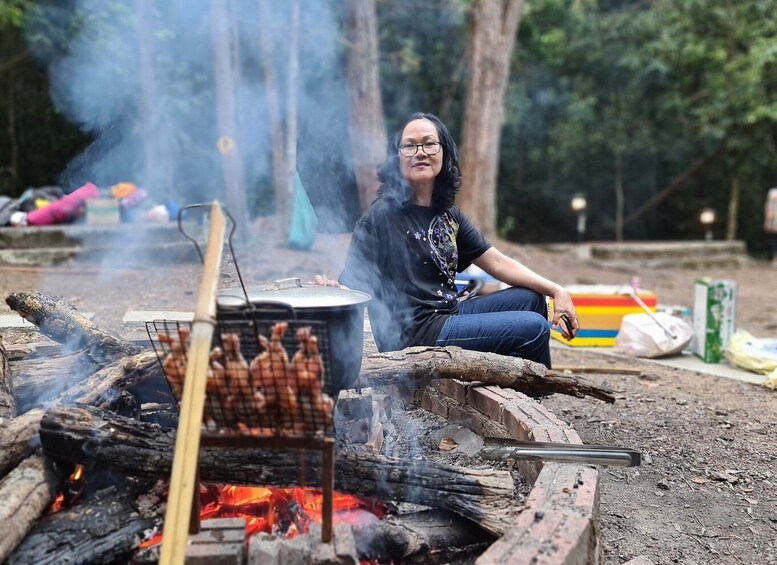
(654, 86)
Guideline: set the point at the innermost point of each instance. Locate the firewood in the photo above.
(61, 322)
(7, 400)
(431, 536)
(25, 493)
(418, 365)
(131, 447)
(40, 379)
(18, 436)
(102, 530)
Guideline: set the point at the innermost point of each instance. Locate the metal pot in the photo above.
(341, 309)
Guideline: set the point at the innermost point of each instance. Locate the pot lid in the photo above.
(294, 293)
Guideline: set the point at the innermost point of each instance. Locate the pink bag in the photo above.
(66, 209)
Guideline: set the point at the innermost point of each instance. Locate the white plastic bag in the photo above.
(661, 334)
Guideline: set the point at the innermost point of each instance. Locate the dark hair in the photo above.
(446, 185)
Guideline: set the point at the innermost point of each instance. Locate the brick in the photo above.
(453, 388)
(434, 402)
(488, 401)
(516, 422)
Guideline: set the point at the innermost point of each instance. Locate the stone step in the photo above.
(67, 235)
(125, 255)
(667, 250)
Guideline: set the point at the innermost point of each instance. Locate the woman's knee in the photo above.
(529, 300)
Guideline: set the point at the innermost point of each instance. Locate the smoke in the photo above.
(141, 77)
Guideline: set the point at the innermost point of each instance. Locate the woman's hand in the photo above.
(564, 314)
(323, 281)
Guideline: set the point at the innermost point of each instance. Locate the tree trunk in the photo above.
(366, 129)
(274, 113)
(226, 93)
(418, 365)
(492, 36)
(291, 118)
(131, 447)
(148, 94)
(732, 221)
(619, 197)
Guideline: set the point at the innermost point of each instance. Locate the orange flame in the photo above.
(276, 510)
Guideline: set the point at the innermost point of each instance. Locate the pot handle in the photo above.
(295, 282)
(229, 240)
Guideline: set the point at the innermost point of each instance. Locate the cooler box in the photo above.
(714, 318)
(600, 309)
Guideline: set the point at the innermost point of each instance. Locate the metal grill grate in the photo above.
(266, 377)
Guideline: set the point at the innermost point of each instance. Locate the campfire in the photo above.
(404, 496)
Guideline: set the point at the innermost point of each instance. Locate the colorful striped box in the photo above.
(600, 309)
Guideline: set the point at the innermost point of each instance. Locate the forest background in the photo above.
(651, 109)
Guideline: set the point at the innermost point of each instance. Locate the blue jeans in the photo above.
(513, 321)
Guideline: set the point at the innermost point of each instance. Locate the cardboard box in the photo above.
(714, 318)
(600, 309)
(102, 212)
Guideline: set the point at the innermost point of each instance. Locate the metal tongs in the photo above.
(502, 449)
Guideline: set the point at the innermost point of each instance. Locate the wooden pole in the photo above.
(187, 442)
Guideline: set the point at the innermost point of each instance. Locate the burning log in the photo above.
(7, 400)
(102, 530)
(419, 365)
(61, 322)
(131, 447)
(18, 436)
(431, 536)
(40, 379)
(25, 493)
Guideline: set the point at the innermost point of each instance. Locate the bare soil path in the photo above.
(707, 489)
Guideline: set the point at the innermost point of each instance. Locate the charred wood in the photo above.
(431, 536)
(61, 322)
(25, 493)
(40, 379)
(105, 529)
(7, 400)
(416, 366)
(18, 438)
(79, 434)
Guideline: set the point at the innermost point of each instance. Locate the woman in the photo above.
(408, 246)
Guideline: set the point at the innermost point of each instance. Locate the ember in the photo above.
(288, 511)
(71, 491)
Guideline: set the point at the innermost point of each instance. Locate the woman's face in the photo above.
(420, 169)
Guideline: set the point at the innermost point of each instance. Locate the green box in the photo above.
(714, 318)
(102, 212)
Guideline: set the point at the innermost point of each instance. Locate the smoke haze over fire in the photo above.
(140, 78)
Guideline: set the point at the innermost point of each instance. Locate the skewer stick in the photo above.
(187, 444)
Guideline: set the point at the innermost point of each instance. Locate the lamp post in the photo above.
(579, 204)
(707, 219)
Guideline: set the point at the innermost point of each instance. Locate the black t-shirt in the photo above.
(407, 257)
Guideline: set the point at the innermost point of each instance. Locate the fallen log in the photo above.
(61, 322)
(431, 536)
(419, 365)
(85, 434)
(18, 438)
(105, 529)
(7, 400)
(25, 493)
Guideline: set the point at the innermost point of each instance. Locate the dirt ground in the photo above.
(707, 489)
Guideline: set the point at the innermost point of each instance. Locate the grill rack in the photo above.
(270, 390)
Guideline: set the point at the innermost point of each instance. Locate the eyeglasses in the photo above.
(410, 149)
